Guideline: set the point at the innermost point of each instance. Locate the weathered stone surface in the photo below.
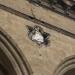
(43, 60)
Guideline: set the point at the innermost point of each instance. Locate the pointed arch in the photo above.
(11, 57)
(66, 67)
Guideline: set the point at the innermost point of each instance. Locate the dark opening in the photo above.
(3, 71)
(6, 67)
(70, 72)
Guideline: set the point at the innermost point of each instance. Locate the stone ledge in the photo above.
(42, 14)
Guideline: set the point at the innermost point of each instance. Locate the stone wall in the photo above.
(44, 60)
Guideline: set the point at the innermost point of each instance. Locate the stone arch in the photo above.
(66, 67)
(12, 61)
